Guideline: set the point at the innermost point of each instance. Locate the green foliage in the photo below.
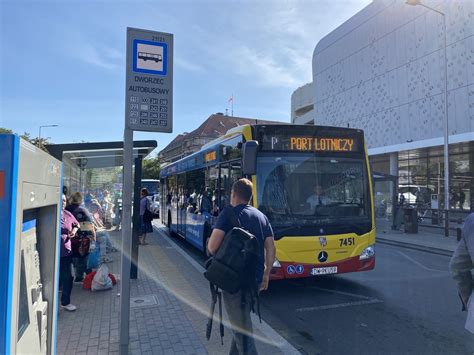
(39, 142)
(5, 130)
(151, 168)
(27, 136)
(102, 178)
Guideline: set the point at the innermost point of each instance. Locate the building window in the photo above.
(421, 175)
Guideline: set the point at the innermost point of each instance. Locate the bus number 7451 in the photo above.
(346, 242)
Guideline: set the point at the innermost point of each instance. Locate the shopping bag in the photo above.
(101, 280)
(93, 260)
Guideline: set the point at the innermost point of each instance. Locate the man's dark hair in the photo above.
(144, 191)
(243, 189)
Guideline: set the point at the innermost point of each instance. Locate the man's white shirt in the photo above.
(315, 200)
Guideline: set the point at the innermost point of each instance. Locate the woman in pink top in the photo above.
(69, 227)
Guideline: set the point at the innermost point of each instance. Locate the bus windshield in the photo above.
(313, 195)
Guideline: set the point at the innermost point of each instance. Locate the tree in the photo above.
(27, 136)
(151, 168)
(40, 142)
(5, 130)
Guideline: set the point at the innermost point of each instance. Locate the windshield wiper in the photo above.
(341, 204)
(359, 228)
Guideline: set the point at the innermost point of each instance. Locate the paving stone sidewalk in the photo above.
(174, 325)
(423, 240)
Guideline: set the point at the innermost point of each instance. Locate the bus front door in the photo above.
(182, 219)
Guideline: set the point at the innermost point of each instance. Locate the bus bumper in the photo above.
(290, 270)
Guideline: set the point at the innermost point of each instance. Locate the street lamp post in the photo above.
(39, 133)
(446, 132)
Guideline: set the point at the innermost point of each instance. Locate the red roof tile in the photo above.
(215, 126)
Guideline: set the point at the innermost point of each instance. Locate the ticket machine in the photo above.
(30, 206)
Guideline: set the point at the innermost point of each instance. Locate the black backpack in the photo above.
(234, 266)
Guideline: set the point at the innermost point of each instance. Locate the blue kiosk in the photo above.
(30, 207)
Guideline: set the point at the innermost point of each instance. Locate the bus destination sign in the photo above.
(322, 144)
(315, 139)
(316, 143)
(211, 156)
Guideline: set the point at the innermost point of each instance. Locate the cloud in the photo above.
(85, 48)
(99, 55)
(265, 68)
(187, 65)
(270, 43)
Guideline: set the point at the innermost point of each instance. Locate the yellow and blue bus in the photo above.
(312, 182)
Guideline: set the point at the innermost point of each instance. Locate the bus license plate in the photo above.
(324, 270)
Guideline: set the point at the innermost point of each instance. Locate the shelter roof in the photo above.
(99, 154)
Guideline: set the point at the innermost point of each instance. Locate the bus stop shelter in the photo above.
(385, 199)
(77, 157)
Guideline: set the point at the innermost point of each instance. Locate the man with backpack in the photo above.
(239, 304)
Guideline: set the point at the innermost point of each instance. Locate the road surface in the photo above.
(408, 304)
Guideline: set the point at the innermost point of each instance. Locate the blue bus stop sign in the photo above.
(149, 81)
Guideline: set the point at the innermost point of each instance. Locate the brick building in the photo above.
(215, 126)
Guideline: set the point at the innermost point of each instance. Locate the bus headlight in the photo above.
(276, 263)
(367, 253)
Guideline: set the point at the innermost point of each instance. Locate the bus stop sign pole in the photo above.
(126, 241)
(148, 107)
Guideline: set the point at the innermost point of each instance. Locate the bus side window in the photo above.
(229, 174)
(224, 196)
(195, 187)
(212, 176)
(182, 190)
(235, 171)
(172, 191)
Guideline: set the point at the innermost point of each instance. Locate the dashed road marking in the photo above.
(363, 300)
(420, 264)
(339, 305)
(350, 294)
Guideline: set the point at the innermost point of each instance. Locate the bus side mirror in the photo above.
(249, 157)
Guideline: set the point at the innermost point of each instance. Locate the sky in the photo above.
(63, 62)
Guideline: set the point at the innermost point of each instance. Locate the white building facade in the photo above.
(383, 71)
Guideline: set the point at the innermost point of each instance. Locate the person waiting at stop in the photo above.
(83, 216)
(69, 228)
(145, 225)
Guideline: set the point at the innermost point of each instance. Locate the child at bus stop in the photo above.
(83, 216)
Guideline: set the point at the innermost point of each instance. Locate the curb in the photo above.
(424, 248)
